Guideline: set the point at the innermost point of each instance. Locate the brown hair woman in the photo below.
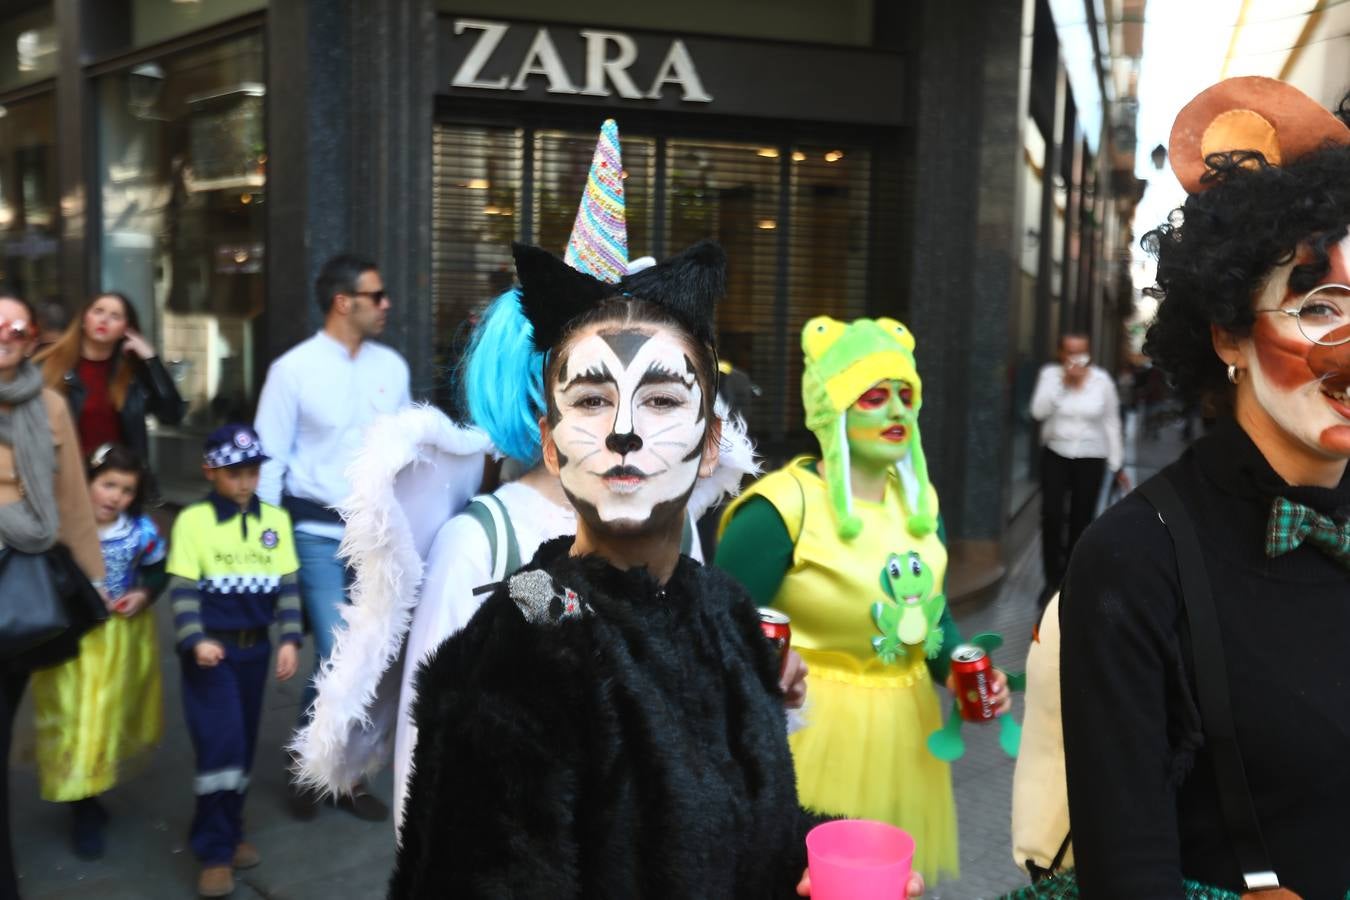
(111, 376)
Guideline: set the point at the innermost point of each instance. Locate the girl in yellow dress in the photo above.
(103, 710)
(849, 546)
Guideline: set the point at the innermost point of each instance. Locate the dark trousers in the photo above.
(1072, 484)
(223, 705)
(11, 692)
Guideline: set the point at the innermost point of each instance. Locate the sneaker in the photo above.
(215, 881)
(363, 804)
(86, 835)
(246, 856)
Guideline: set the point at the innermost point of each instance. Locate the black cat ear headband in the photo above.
(688, 285)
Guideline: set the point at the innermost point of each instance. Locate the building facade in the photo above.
(925, 161)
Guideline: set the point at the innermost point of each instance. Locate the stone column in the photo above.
(971, 65)
(392, 103)
(309, 138)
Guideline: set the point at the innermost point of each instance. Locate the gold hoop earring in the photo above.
(1234, 374)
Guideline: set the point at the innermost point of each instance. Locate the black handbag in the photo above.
(46, 605)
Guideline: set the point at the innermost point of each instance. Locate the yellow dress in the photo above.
(100, 713)
(863, 751)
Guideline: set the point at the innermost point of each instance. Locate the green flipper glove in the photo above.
(946, 743)
(1009, 734)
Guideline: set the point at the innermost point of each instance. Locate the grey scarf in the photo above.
(30, 524)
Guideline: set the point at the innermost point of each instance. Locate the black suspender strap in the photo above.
(1211, 680)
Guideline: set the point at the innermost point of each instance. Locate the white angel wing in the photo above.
(415, 470)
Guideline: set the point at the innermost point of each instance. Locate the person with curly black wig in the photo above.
(1254, 283)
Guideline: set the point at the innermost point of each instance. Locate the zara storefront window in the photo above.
(28, 208)
(183, 170)
(28, 237)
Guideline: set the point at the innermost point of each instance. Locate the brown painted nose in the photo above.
(623, 443)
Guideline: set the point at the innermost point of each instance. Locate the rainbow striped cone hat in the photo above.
(599, 242)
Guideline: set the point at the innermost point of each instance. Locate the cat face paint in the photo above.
(1302, 386)
(627, 420)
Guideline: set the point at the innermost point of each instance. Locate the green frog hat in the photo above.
(844, 360)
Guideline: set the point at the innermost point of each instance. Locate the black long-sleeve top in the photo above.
(151, 392)
(593, 734)
(1142, 797)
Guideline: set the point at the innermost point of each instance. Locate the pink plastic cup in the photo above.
(857, 859)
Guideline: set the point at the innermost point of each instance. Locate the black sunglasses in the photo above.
(376, 297)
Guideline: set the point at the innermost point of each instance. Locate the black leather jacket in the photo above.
(151, 392)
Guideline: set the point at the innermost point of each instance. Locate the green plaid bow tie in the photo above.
(1293, 523)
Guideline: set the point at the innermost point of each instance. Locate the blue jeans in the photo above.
(324, 580)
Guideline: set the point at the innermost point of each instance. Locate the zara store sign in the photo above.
(610, 63)
(591, 66)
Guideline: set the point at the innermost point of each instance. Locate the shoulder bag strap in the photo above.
(507, 563)
(482, 513)
(1211, 679)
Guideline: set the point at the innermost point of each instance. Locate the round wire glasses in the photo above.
(1321, 315)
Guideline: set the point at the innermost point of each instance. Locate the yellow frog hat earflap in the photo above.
(842, 361)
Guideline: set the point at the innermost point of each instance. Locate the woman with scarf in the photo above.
(44, 509)
(1254, 282)
(610, 722)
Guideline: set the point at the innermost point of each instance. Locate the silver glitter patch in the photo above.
(542, 601)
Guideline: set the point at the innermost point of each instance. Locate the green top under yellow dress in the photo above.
(862, 752)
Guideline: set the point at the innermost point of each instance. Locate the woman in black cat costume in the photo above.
(610, 723)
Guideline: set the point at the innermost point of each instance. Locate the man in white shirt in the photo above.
(1079, 411)
(317, 400)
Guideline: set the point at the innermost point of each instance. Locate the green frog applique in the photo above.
(913, 614)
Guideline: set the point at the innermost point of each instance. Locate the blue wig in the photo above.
(503, 378)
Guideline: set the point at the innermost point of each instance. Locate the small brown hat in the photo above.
(1249, 113)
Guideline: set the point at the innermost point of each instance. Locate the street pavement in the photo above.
(337, 857)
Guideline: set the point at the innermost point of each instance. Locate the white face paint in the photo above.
(628, 424)
(1302, 387)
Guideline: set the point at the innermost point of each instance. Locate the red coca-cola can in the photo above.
(777, 627)
(973, 671)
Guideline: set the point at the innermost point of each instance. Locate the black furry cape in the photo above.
(619, 741)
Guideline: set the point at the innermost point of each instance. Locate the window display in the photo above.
(183, 166)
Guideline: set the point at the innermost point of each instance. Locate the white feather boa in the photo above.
(351, 733)
(414, 471)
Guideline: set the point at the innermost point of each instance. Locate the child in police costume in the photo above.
(233, 564)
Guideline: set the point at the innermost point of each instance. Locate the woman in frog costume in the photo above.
(850, 547)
